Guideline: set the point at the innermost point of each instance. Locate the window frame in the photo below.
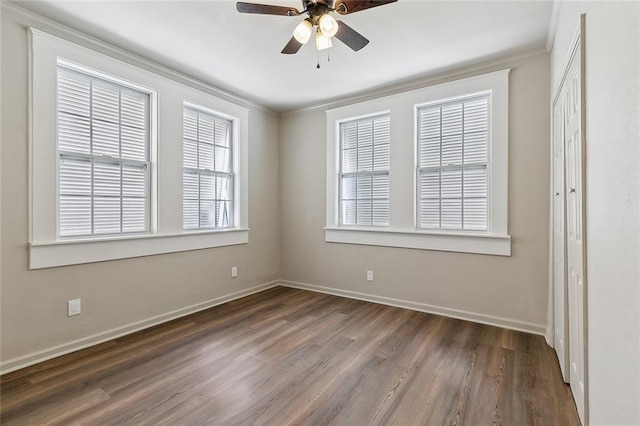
(171, 90)
(404, 231)
(232, 175)
(356, 174)
(487, 165)
(149, 163)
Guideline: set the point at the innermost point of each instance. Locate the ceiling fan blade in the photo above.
(345, 7)
(292, 47)
(350, 37)
(266, 9)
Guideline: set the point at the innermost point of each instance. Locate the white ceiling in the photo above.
(240, 53)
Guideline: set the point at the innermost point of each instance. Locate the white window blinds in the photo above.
(207, 184)
(103, 147)
(453, 144)
(364, 171)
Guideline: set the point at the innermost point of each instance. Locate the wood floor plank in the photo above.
(287, 356)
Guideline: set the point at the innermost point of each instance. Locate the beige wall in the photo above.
(512, 288)
(612, 80)
(287, 196)
(117, 293)
(287, 215)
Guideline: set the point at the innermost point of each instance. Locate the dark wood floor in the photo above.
(287, 356)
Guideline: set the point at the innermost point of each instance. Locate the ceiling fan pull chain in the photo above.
(318, 66)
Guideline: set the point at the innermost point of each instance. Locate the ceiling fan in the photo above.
(318, 12)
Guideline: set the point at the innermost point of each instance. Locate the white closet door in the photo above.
(560, 310)
(574, 175)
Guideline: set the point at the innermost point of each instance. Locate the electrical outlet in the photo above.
(73, 307)
(369, 275)
(234, 271)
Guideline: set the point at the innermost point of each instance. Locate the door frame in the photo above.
(555, 193)
(578, 42)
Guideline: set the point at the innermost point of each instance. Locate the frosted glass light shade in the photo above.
(302, 32)
(328, 25)
(322, 41)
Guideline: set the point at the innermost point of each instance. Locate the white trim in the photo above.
(550, 332)
(383, 115)
(508, 323)
(402, 176)
(95, 339)
(167, 235)
(32, 19)
(551, 319)
(573, 50)
(549, 337)
(75, 252)
(422, 81)
(553, 24)
(499, 245)
(234, 147)
(29, 18)
(150, 143)
(488, 166)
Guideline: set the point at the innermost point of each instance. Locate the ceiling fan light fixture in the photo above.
(322, 42)
(328, 25)
(303, 31)
(319, 20)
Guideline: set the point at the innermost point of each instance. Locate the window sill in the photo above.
(497, 245)
(78, 251)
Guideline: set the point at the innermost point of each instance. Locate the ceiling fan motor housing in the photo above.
(317, 8)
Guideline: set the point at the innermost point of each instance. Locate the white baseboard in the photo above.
(56, 351)
(511, 324)
(549, 336)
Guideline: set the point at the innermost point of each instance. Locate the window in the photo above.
(364, 171)
(106, 165)
(103, 150)
(440, 179)
(453, 142)
(207, 180)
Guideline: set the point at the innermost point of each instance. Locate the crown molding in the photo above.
(32, 19)
(438, 77)
(553, 24)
